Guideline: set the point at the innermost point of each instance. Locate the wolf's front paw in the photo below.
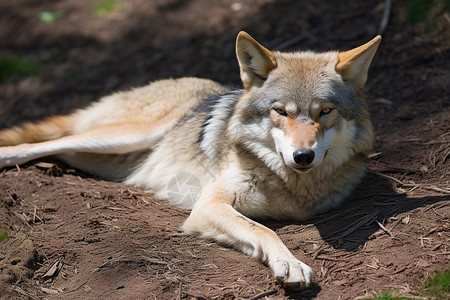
(292, 274)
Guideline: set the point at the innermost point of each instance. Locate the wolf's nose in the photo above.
(304, 157)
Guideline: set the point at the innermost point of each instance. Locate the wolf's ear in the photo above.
(353, 65)
(255, 61)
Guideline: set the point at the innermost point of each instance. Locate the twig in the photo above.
(390, 177)
(373, 155)
(77, 288)
(385, 229)
(436, 247)
(102, 265)
(386, 15)
(400, 270)
(330, 258)
(412, 140)
(432, 188)
(259, 296)
(446, 156)
(435, 142)
(426, 187)
(179, 291)
(421, 240)
(11, 197)
(436, 205)
(395, 224)
(22, 219)
(437, 212)
(20, 291)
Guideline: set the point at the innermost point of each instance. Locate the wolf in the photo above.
(291, 143)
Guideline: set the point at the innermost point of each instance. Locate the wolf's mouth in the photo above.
(303, 169)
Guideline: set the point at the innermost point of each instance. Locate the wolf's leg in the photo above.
(116, 138)
(215, 218)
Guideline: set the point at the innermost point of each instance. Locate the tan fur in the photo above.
(302, 135)
(253, 72)
(49, 129)
(354, 64)
(239, 149)
(157, 103)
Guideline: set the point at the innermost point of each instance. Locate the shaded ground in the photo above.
(118, 242)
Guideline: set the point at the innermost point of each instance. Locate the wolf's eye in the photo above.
(325, 111)
(281, 111)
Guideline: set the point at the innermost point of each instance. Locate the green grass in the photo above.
(49, 17)
(3, 235)
(438, 285)
(18, 66)
(106, 6)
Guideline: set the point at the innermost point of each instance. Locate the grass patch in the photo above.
(49, 17)
(107, 6)
(18, 66)
(438, 285)
(3, 235)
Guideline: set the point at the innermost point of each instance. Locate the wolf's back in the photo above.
(156, 103)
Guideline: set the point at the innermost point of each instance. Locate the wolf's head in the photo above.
(309, 106)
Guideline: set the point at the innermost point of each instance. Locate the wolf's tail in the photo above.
(45, 130)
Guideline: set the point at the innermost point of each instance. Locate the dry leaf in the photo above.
(53, 271)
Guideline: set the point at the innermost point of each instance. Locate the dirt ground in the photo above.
(74, 236)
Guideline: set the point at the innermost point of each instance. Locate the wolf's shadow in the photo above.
(353, 223)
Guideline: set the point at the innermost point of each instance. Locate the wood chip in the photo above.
(44, 165)
(49, 291)
(406, 220)
(374, 155)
